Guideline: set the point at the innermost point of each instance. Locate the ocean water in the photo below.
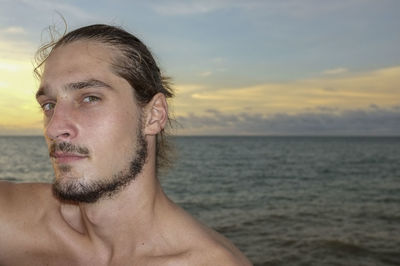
(281, 200)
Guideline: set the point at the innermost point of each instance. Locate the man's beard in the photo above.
(90, 192)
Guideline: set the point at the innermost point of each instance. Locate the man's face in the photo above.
(92, 122)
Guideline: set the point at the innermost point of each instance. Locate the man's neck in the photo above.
(124, 221)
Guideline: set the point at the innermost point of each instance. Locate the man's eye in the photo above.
(89, 99)
(48, 106)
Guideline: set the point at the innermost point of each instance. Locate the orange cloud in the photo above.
(353, 90)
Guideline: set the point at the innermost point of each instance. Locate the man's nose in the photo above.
(62, 125)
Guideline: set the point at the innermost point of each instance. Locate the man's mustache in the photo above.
(68, 148)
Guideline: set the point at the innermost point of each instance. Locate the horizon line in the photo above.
(244, 135)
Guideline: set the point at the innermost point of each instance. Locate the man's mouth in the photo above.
(64, 157)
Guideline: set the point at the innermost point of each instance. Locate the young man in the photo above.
(104, 105)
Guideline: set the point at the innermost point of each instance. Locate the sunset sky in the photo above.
(267, 67)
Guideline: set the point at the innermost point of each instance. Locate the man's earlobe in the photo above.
(157, 114)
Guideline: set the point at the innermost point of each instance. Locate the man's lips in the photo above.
(62, 157)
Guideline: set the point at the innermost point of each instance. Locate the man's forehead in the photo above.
(81, 52)
(78, 60)
(81, 64)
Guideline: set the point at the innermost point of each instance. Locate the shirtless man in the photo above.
(104, 105)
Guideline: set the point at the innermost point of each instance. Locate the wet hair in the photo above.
(132, 61)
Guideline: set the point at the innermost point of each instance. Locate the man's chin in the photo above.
(68, 189)
(79, 190)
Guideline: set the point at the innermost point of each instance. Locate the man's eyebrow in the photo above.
(90, 83)
(41, 91)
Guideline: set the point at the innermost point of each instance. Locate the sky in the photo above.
(255, 67)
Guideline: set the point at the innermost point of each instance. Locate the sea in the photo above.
(281, 200)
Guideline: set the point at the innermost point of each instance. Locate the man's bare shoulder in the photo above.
(24, 194)
(199, 244)
(25, 203)
(207, 253)
(212, 256)
(217, 254)
(25, 210)
(215, 249)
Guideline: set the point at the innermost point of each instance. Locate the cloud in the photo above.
(300, 9)
(370, 121)
(218, 60)
(59, 6)
(187, 7)
(335, 71)
(205, 74)
(14, 30)
(354, 90)
(14, 44)
(175, 8)
(16, 50)
(355, 104)
(18, 109)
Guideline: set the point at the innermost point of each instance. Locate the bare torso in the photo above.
(35, 232)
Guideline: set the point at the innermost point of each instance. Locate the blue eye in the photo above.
(48, 106)
(89, 99)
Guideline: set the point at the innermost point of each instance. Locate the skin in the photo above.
(137, 226)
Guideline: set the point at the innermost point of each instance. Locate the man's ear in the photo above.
(156, 115)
